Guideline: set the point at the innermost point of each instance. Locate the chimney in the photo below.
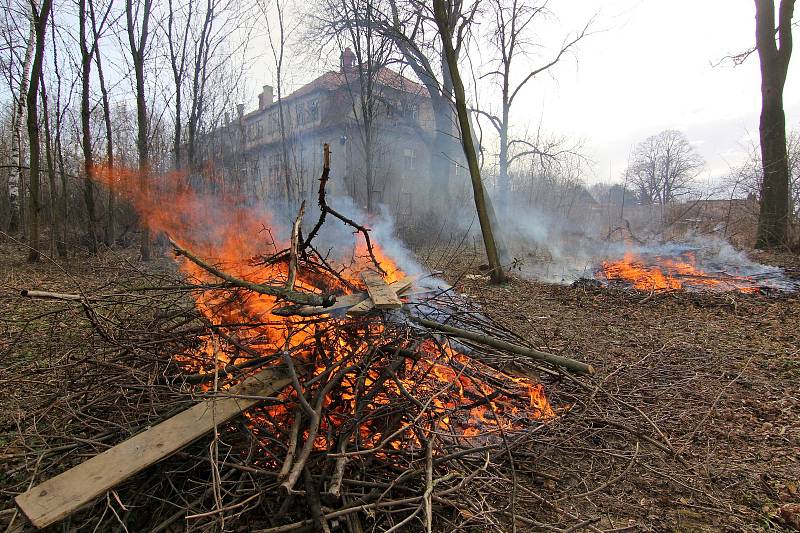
(348, 60)
(227, 118)
(265, 98)
(240, 111)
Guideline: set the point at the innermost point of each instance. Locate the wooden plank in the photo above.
(348, 301)
(382, 295)
(366, 306)
(63, 494)
(342, 302)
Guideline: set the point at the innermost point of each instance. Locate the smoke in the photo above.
(342, 242)
(562, 244)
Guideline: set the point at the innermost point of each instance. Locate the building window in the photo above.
(313, 110)
(411, 111)
(409, 159)
(298, 114)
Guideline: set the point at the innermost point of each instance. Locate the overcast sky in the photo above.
(652, 68)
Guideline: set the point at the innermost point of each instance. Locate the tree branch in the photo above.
(303, 298)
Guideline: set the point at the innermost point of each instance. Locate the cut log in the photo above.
(342, 302)
(62, 495)
(381, 294)
(555, 360)
(50, 295)
(367, 305)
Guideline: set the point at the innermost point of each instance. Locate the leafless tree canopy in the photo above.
(662, 167)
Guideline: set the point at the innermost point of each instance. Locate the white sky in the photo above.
(652, 68)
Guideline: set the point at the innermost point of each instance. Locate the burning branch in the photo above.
(293, 250)
(326, 209)
(302, 298)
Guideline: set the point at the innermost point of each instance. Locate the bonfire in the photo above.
(368, 394)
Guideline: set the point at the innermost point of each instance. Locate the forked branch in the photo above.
(325, 209)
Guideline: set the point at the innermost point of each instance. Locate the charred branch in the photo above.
(297, 297)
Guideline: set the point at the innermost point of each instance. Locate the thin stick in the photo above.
(293, 249)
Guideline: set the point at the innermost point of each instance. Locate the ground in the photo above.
(713, 377)
(692, 422)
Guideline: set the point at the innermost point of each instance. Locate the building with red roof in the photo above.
(328, 110)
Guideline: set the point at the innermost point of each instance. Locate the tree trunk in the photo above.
(59, 200)
(14, 178)
(86, 133)
(110, 229)
(774, 209)
(284, 140)
(143, 149)
(137, 55)
(445, 31)
(503, 186)
(62, 244)
(34, 207)
(773, 220)
(55, 226)
(369, 170)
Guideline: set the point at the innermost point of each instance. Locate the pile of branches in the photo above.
(366, 437)
(426, 417)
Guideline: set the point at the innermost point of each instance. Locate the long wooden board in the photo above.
(381, 294)
(63, 494)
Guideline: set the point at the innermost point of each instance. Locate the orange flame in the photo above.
(669, 273)
(231, 233)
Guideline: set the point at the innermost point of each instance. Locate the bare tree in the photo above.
(87, 55)
(278, 36)
(97, 29)
(55, 220)
(453, 24)
(61, 110)
(510, 34)
(662, 167)
(39, 17)
(773, 220)
(370, 51)
(18, 113)
(213, 34)
(179, 21)
(408, 24)
(138, 32)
